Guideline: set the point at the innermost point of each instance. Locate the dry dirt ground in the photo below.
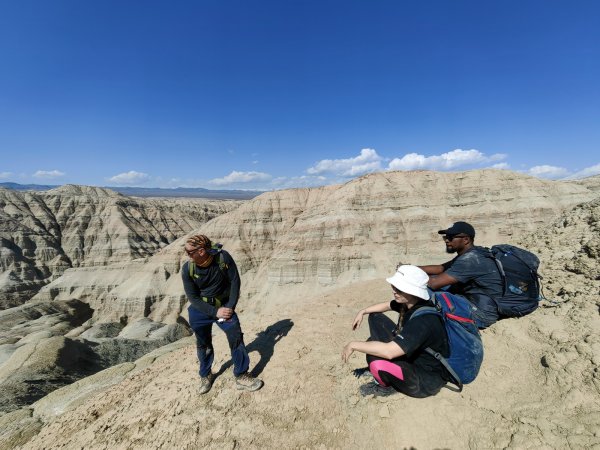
(538, 388)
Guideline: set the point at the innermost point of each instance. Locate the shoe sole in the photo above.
(374, 389)
(250, 388)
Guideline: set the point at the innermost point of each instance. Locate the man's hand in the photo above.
(224, 313)
(347, 351)
(357, 320)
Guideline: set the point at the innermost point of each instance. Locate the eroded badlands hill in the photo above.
(44, 233)
(539, 386)
(305, 241)
(46, 344)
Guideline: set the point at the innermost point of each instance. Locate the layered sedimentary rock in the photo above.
(42, 234)
(592, 183)
(310, 240)
(376, 220)
(538, 387)
(570, 247)
(45, 345)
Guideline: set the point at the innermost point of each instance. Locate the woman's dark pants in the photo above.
(381, 329)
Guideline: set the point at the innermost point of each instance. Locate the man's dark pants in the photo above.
(202, 326)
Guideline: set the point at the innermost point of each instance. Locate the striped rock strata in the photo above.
(291, 242)
(44, 233)
(538, 387)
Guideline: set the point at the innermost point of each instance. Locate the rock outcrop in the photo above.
(44, 233)
(539, 386)
(592, 183)
(311, 240)
(299, 251)
(45, 345)
(570, 248)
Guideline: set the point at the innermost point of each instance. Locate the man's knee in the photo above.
(203, 339)
(235, 339)
(202, 345)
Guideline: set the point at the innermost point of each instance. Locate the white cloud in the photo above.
(587, 172)
(50, 174)
(503, 166)
(367, 161)
(445, 161)
(5, 175)
(240, 177)
(546, 171)
(129, 178)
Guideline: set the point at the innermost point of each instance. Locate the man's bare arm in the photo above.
(441, 280)
(433, 269)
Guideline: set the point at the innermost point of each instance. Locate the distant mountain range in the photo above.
(152, 192)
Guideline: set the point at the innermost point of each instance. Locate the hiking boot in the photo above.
(247, 382)
(375, 389)
(206, 383)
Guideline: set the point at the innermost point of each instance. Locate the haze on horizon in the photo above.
(267, 95)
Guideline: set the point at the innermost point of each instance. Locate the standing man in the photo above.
(212, 285)
(470, 274)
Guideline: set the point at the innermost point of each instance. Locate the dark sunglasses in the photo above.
(451, 237)
(396, 290)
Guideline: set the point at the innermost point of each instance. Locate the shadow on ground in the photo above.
(264, 344)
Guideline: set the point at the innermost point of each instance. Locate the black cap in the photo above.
(460, 227)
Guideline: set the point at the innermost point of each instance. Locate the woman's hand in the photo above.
(347, 351)
(358, 320)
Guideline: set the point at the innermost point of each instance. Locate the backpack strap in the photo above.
(192, 270)
(489, 253)
(222, 264)
(444, 361)
(437, 355)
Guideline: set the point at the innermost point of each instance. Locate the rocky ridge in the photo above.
(309, 240)
(42, 234)
(293, 248)
(538, 388)
(592, 183)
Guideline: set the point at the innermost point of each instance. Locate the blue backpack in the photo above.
(466, 348)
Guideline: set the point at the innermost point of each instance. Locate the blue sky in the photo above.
(274, 94)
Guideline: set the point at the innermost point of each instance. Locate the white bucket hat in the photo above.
(412, 280)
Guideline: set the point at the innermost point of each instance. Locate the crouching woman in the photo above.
(395, 354)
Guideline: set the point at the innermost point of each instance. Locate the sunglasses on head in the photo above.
(191, 253)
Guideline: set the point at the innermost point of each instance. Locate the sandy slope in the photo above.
(539, 386)
(538, 389)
